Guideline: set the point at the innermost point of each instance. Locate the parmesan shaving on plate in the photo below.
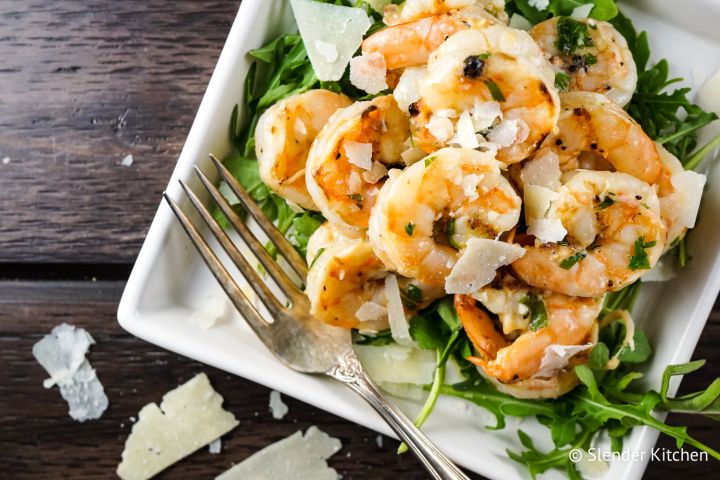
(278, 408)
(556, 358)
(62, 354)
(396, 314)
(189, 417)
(331, 34)
(368, 71)
(215, 446)
(296, 457)
(216, 310)
(543, 170)
(397, 363)
(478, 262)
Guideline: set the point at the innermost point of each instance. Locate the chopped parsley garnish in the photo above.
(572, 35)
(562, 81)
(639, 260)
(495, 91)
(410, 228)
(429, 160)
(568, 263)
(538, 312)
(358, 199)
(606, 203)
(317, 255)
(450, 232)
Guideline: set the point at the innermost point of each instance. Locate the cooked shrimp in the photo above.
(594, 56)
(346, 283)
(595, 133)
(282, 140)
(346, 162)
(496, 65)
(410, 44)
(516, 357)
(615, 234)
(427, 212)
(411, 10)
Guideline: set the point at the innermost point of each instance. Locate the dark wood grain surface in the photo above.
(82, 85)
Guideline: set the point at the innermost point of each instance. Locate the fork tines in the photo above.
(275, 272)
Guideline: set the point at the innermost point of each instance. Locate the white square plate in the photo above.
(169, 281)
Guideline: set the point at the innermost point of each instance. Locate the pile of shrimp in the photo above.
(475, 141)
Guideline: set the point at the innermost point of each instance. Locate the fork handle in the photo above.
(351, 372)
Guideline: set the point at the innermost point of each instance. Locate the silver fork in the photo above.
(294, 337)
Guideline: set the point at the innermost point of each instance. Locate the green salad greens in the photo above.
(607, 400)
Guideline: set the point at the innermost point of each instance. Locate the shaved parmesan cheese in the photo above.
(62, 354)
(397, 363)
(465, 132)
(377, 171)
(412, 155)
(296, 457)
(547, 230)
(476, 266)
(339, 26)
(556, 358)
(359, 154)
(327, 50)
(537, 201)
(407, 90)
(188, 418)
(539, 4)
(520, 22)
(354, 182)
(470, 184)
(543, 170)
(300, 126)
(396, 314)
(684, 203)
(370, 311)
(368, 71)
(440, 127)
(583, 11)
(215, 446)
(592, 465)
(491, 148)
(523, 130)
(505, 133)
(484, 114)
(278, 408)
(215, 310)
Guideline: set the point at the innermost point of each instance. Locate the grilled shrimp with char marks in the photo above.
(345, 166)
(593, 55)
(513, 361)
(283, 137)
(493, 64)
(614, 235)
(427, 212)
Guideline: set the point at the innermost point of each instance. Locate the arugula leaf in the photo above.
(317, 256)
(409, 229)
(303, 227)
(381, 338)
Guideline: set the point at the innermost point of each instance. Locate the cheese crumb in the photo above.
(370, 311)
(6, 160)
(407, 90)
(556, 358)
(477, 265)
(62, 354)
(297, 457)
(359, 154)
(539, 4)
(543, 170)
(465, 132)
(189, 417)
(216, 310)
(127, 160)
(377, 171)
(440, 127)
(278, 408)
(396, 314)
(505, 133)
(583, 11)
(368, 71)
(215, 446)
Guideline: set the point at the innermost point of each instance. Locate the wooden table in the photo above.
(82, 85)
